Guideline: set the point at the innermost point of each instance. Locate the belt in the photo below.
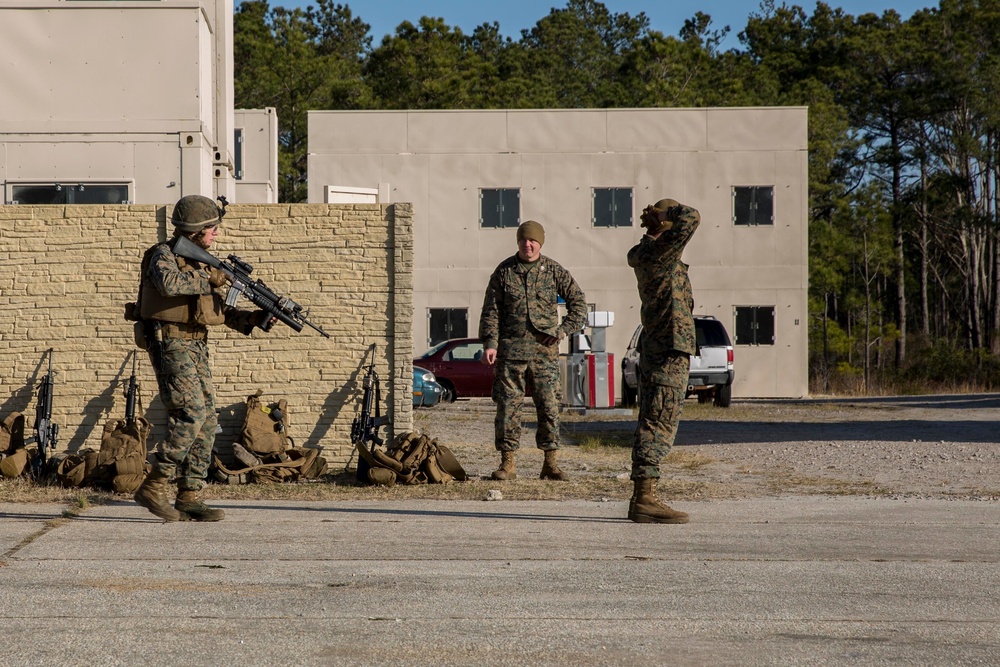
(183, 331)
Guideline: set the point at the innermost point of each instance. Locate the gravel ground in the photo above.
(916, 446)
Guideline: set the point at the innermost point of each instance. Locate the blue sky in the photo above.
(666, 16)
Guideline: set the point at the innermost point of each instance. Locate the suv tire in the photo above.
(629, 396)
(723, 395)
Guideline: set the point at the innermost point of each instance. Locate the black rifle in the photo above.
(238, 272)
(131, 394)
(364, 430)
(46, 433)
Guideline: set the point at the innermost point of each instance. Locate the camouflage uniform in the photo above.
(184, 377)
(667, 340)
(520, 310)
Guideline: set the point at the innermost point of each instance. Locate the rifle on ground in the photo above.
(46, 433)
(364, 430)
(131, 396)
(238, 272)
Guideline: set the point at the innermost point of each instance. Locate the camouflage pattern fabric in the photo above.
(521, 301)
(541, 373)
(664, 287)
(165, 276)
(519, 310)
(667, 340)
(184, 379)
(659, 411)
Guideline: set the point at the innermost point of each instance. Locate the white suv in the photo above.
(711, 375)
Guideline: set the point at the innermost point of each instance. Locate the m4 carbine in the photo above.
(364, 430)
(46, 433)
(238, 273)
(131, 395)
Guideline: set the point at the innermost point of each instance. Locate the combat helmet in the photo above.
(194, 213)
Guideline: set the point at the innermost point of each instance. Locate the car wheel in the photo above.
(447, 391)
(723, 395)
(629, 395)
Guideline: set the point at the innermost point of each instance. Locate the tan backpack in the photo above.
(13, 457)
(265, 427)
(265, 452)
(122, 462)
(412, 458)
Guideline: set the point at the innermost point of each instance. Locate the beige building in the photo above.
(472, 176)
(126, 102)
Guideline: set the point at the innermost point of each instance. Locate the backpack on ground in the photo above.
(265, 451)
(13, 456)
(412, 458)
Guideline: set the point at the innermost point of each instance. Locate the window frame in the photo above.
(753, 328)
(507, 198)
(759, 208)
(615, 193)
(68, 187)
(453, 315)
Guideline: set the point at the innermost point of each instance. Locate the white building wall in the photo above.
(128, 91)
(439, 161)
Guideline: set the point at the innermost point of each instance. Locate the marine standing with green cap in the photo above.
(178, 299)
(665, 345)
(520, 331)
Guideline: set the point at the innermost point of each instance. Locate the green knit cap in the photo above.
(531, 230)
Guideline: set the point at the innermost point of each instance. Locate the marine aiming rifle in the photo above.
(46, 432)
(238, 272)
(364, 430)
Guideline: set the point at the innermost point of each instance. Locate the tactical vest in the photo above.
(203, 309)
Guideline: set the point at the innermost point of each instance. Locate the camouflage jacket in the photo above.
(166, 276)
(664, 287)
(521, 301)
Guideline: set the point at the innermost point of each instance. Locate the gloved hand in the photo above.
(217, 277)
(263, 320)
(649, 218)
(674, 213)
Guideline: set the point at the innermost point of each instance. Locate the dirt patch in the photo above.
(926, 447)
(922, 446)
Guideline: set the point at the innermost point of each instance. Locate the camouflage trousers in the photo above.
(662, 386)
(185, 383)
(541, 375)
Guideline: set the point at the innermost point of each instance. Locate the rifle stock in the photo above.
(131, 394)
(238, 272)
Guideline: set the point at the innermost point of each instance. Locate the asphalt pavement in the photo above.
(784, 581)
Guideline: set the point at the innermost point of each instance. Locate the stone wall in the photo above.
(67, 271)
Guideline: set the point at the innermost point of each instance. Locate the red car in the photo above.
(455, 363)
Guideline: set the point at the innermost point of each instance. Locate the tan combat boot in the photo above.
(506, 469)
(190, 504)
(550, 470)
(645, 507)
(152, 494)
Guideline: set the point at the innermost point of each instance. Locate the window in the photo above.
(69, 193)
(500, 207)
(467, 352)
(445, 323)
(753, 205)
(755, 325)
(612, 207)
(238, 154)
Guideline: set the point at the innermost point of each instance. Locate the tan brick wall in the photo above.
(66, 271)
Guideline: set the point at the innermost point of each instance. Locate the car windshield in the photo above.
(434, 350)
